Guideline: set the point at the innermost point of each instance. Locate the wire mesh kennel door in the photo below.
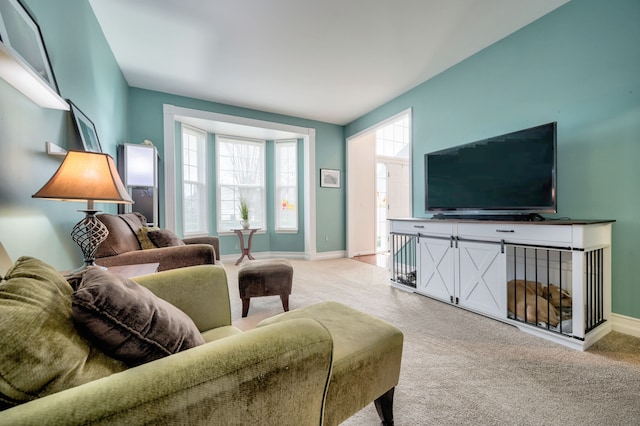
(403, 259)
(558, 290)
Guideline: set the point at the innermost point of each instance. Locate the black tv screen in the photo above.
(512, 173)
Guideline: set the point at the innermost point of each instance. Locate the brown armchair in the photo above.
(122, 246)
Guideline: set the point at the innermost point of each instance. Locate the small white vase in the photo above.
(245, 223)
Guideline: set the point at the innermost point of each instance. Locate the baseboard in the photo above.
(626, 325)
(326, 255)
(232, 258)
(365, 253)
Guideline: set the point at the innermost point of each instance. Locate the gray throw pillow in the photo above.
(165, 238)
(128, 321)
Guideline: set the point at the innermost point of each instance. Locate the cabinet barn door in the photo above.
(482, 278)
(436, 275)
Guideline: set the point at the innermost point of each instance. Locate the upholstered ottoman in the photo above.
(367, 353)
(268, 277)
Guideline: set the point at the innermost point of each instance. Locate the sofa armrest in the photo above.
(213, 241)
(167, 257)
(270, 375)
(200, 291)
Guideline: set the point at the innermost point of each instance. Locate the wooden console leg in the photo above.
(285, 301)
(245, 306)
(384, 406)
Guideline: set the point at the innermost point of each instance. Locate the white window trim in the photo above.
(276, 186)
(202, 165)
(351, 216)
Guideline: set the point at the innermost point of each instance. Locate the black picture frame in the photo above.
(86, 129)
(329, 178)
(20, 32)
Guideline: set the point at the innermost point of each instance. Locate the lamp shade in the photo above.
(86, 176)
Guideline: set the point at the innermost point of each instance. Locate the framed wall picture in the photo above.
(20, 32)
(86, 129)
(329, 178)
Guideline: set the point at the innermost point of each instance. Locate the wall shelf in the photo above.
(15, 71)
(53, 149)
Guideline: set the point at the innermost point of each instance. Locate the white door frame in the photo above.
(351, 210)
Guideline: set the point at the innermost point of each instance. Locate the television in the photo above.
(512, 176)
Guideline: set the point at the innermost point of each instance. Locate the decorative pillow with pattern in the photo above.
(128, 321)
(143, 237)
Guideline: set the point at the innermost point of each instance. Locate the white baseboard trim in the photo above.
(326, 255)
(626, 325)
(232, 258)
(364, 253)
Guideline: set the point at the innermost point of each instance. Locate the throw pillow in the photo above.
(143, 237)
(41, 351)
(128, 321)
(165, 238)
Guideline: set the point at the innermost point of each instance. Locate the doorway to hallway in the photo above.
(378, 183)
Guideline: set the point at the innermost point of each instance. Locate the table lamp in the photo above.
(91, 177)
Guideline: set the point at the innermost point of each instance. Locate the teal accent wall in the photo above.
(331, 203)
(579, 66)
(146, 122)
(88, 74)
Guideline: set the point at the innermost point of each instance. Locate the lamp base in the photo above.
(89, 233)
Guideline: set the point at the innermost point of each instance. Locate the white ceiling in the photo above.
(326, 60)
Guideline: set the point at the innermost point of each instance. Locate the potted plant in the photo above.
(244, 213)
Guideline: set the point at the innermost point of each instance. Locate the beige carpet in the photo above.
(462, 368)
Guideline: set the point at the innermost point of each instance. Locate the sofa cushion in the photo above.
(165, 238)
(128, 321)
(143, 237)
(41, 351)
(122, 233)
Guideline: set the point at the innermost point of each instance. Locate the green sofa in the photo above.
(273, 375)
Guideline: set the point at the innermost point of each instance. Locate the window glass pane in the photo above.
(287, 210)
(194, 185)
(240, 175)
(286, 191)
(392, 140)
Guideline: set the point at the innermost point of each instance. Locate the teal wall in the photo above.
(146, 122)
(579, 66)
(88, 74)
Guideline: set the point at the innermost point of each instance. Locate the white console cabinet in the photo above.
(469, 264)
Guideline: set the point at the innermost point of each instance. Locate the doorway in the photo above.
(392, 196)
(378, 184)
